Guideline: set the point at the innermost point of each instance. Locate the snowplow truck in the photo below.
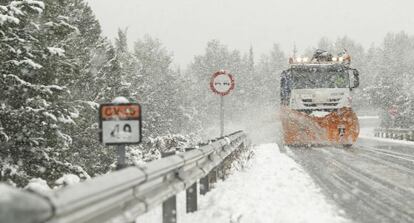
(316, 101)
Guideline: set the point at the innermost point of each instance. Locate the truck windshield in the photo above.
(320, 79)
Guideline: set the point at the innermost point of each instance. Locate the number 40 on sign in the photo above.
(120, 123)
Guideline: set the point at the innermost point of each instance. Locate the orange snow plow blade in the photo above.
(339, 127)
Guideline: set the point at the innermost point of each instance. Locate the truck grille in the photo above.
(330, 102)
(320, 104)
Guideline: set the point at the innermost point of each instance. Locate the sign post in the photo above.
(121, 153)
(120, 124)
(222, 83)
(221, 116)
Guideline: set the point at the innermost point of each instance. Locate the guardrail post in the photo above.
(225, 164)
(213, 176)
(169, 210)
(191, 194)
(207, 181)
(204, 185)
(223, 167)
(191, 198)
(169, 206)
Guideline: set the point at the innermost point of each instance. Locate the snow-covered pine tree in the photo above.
(56, 68)
(156, 92)
(394, 81)
(162, 93)
(98, 78)
(270, 67)
(34, 106)
(355, 49)
(129, 66)
(216, 57)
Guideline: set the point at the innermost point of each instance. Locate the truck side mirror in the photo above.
(353, 78)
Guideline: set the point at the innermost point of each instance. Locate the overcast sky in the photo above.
(185, 26)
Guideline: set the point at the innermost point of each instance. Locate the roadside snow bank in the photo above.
(274, 189)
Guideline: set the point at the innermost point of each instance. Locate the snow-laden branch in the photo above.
(48, 88)
(56, 51)
(3, 135)
(27, 61)
(11, 12)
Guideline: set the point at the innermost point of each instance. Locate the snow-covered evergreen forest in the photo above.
(56, 67)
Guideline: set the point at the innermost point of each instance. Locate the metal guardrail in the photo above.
(123, 195)
(401, 134)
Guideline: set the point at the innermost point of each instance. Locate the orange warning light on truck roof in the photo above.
(131, 111)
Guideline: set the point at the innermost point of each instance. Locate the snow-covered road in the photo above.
(373, 181)
(274, 189)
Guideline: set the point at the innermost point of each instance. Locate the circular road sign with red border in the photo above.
(393, 111)
(222, 83)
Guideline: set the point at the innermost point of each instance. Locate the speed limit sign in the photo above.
(222, 83)
(120, 123)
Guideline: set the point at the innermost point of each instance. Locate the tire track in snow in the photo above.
(369, 185)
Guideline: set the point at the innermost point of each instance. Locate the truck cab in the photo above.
(318, 87)
(316, 101)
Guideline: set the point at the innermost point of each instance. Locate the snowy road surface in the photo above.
(372, 182)
(273, 189)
